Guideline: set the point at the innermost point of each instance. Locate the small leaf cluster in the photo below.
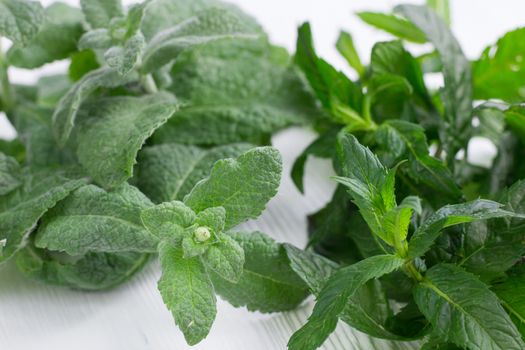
(420, 241)
(147, 145)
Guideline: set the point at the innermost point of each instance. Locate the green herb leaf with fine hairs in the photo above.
(188, 293)
(226, 258)
(115, 129)
(93, 220)
(124, 58)
(99, 13)
(9, 174)
(168, 221)
(20, 20)
(242, 186)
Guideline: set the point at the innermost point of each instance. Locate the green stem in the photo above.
(413, 271)
(149, 84)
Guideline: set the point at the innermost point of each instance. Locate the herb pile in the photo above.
(156, 142)
(418, 242)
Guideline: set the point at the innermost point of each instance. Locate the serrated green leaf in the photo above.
(242, 186)
(422, 167)
(215, 80)
(20, 20)
(187, 292)
(334, 296)
(366, 311)
(168, 172)
(500, 71)
(168, 220)
(267, 283)
(9, 174)
(66, 112)
(164, 14)
(208, 25)
(512, 296)
(450, 215)
(22, 208)
(457, 93)
(345, 46)
(99, 13)
(394, 25)
(93, 220)
(225, 258)
(96, 39)
(56, 40)
(115, 130)
(93, 271)
(464, 311)
(211, 220)
(125, 58)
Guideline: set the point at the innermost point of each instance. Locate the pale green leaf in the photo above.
(242, 186)
(93, 220)
(168, 172)
(66, 112)
(100, 12)
(226, 258)
(20, 20)
(125, 58)
(267, 283)
(187, 292)
(9, 174)
(96, 39)
(56, 40)
(22, 208)
(115, 129)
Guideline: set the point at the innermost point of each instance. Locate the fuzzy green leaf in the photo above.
(22, 208)
(209, 25)
(93, 220)
(124, 58)
(99, 13)
(66, 112)
(9, 174)
(168, 220)
(216, 82)
(115, 130)
(187, 292)
(464, 311)
(267, 283)
(20, 20)
(168, 172)
(226, 258)
(242, 186)
(56, 40)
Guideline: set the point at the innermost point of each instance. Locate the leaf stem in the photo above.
(149, 84)
(413, 271)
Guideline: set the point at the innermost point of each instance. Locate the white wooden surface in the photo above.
(133, 317)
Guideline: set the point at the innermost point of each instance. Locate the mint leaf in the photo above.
(208, 25)
(168, 172)
(341, 286)
(242, 186)
(96, 39)
(56, 40)
(450, 215)
(226, 258)
(267, 283)
(20, 20)
(187, 292)
(512, 296)
(124, 58)
(21, 209)
(9, 174)
(93, 271)
(168, 220)
(119, 125)
(93, 220)
(450, 298)
(457, 93)
(394, 25)
(205, 233)
(100, 12)
(51, 88)
(66, 112)
(499, 73)
(345, 46)
(223, 99)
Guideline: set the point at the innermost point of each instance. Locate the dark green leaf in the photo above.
(9, 174)
(512, 296)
